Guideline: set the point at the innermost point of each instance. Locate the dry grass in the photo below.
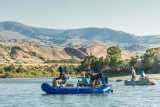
(27, 53)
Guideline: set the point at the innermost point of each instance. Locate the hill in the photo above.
(92, 33)
(15, 32)
(137, 48)
(34, 54)
(102, 34)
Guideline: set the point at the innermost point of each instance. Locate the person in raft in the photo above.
(133, 74)
(143, 76)
(84, 80)
(60, 79)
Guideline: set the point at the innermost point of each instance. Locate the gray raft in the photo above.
(144, 82)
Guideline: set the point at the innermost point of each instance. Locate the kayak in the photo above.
(144, 82)
(75, 90)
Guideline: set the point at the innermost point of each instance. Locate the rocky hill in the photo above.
(15, 32)
(34, 54)
(137, 48)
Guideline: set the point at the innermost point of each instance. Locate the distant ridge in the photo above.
(15, 32)
(91, 33)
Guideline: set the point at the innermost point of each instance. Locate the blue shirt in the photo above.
(85, 82)
(143, 74)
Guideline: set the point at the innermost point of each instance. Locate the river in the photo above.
(26, 92)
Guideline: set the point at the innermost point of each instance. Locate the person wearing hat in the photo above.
(60, 79)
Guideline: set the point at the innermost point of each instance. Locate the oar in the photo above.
(78, 88)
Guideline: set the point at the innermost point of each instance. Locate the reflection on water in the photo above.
(24, 92)
(25, 80)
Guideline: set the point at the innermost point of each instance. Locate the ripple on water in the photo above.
(24, 92)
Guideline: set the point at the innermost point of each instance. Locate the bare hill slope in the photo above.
(31, 53)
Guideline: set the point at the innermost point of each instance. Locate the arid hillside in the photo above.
(34, 54)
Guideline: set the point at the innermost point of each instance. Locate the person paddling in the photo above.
(84, 80)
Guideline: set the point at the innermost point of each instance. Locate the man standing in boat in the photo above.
(60, 79)
(133, 74)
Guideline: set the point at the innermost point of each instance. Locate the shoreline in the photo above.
(119, 78)
(123, 78)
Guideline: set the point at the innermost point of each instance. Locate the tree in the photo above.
(86, 64)
(20, 70)
(101, 64)
(114, 53)
(148, 58)
(107, 60)
(70, 69)
(10, 68)
(156, 63)
(133, 61)
(2, 71)
(138, 56)
(95, 65)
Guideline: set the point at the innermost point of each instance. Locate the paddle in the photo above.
(78, 87)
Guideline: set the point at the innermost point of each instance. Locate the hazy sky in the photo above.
(139, 17)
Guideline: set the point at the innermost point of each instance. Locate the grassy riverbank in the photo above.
(50, 70)
(35, 71)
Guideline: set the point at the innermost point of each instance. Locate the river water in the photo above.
(26, 92)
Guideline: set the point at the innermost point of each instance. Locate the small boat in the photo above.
(75, 90)
(144, 82)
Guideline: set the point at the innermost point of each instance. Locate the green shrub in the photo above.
(20, 70)
(8, 75)
(10, 68)
(2, 71)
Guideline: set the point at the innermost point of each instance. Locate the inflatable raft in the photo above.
(144, 82)
(75, 90)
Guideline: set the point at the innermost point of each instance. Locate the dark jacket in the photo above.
(62, 74)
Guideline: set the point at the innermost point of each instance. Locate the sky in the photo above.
(139, 17)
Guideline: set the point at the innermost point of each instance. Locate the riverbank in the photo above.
(122, 78)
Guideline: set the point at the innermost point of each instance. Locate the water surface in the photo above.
(26, 92)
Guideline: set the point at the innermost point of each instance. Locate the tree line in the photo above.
(112, 65)
(18, 71)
